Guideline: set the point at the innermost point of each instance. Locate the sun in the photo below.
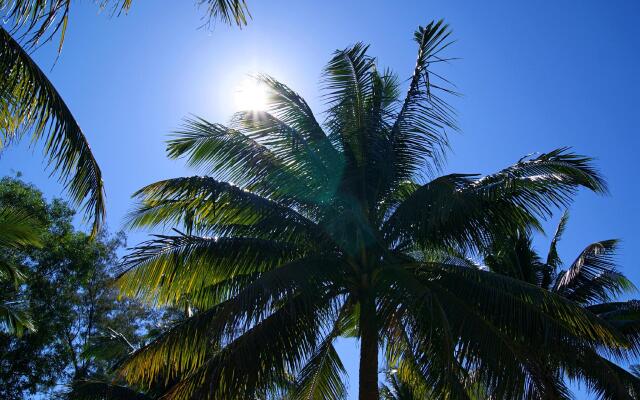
(251, 95)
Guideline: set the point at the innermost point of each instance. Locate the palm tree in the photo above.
(17, 230)
(592, 281)
(301, 232)
(31, 105)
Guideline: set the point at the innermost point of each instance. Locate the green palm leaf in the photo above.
(30, 104)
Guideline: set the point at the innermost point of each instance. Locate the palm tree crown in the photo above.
(301, 232)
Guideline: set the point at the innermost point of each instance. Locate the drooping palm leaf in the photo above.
(30, 104)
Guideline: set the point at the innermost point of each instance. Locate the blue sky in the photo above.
(535, 76)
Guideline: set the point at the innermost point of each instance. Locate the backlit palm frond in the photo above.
(499, 361)
(259, 357)
(593, 276)
(319, 176)
(347, 85)
(495, 204)
(513, 255)
(228, 11)
(185, 347)
(290, 108)
(544, 182)
(323, 376)
(419, 135)
(218, 208)
(41, 20)
(553, 259)
(18, 228)
(625, 317)
(603, 378)
(447, 213)
(31, 105)
(170, 268)
(505, 300)
(231, 156)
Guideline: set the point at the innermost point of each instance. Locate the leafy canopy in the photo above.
(300, 231)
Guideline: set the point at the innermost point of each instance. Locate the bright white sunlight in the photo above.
(251, 95)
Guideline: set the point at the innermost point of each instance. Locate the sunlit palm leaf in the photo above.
(31, 105)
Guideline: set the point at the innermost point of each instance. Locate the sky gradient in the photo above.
(534, 77)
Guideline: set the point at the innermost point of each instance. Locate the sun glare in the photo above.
(251, 96)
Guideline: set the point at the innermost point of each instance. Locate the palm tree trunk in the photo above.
(368, 385)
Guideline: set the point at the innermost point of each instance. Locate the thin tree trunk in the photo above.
(368, 385)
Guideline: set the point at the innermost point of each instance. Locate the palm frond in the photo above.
(219, 208)
(553, 258)
(323, 377)
(14, 319)
(168, 268)
(231, 156)
(228, 11)
(185, 347)
(347, 84)
(593, 275)
(31, 104)
(258, 357)
(544, 182)
(93, 389)
(447, 212)
(418, 135)
(18, 228)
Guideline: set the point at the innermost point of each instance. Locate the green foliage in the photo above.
(66, 291)
(303, 231)
(593, 282)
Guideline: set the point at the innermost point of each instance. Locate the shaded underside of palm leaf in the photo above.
(338, 228)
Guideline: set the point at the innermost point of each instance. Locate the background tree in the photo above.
(593, 281)
(340, 229)
(66, 291)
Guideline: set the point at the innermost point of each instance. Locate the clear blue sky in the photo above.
(535, 76)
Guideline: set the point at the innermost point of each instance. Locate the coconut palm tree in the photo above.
(31, 106)
(593, 281)
(300, 232)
